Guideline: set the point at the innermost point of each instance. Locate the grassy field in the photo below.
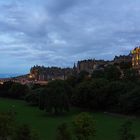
(107, 125)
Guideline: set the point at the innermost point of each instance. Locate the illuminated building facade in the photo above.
(136, 58)
(41, 73)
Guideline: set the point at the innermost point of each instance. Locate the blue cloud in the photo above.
(61, 32)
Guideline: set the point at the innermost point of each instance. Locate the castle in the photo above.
(41, 73)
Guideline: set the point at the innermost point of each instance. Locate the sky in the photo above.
(61, 32)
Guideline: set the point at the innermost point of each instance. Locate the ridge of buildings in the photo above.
(42, 74)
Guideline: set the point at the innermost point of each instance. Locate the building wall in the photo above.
(136, 58)
(87, 65)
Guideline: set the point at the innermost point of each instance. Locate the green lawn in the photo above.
(107, 126)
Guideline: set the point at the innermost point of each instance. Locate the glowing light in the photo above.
(1, 83)
(30, 76)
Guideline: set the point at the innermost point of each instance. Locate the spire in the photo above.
(74, 67)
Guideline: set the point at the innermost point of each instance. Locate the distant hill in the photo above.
(9, 75)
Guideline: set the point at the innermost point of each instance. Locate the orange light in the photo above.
(1, 83)
(30, 76)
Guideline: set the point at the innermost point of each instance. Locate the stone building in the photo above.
(41, 73)
(86, 65)
(91, 65)
(123, 59)
(136, 58)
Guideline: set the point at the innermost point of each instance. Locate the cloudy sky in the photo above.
(60, 32)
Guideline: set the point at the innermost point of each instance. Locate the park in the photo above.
(107, 126)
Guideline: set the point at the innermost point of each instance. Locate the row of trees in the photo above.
(13, 90)
(102, 95)
(54, 98)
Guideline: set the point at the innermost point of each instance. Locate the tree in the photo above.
(18, 90)
(98, 74)
(42, 99)
(83, 95)
(63, 132)
(126, 131)
(130, 74)
(90, 94)
(125, 65)
(84, 126)
(5, 88)
(33, 96)
(83, 75)
(72, 80)
(24, 132)
(7, 125)
(10, 131)
(56, 97)
(112, 73)
(112, 92)
(130, 101)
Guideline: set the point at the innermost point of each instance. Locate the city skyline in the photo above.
(53, 33)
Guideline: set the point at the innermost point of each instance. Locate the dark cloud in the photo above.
(61, 32)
